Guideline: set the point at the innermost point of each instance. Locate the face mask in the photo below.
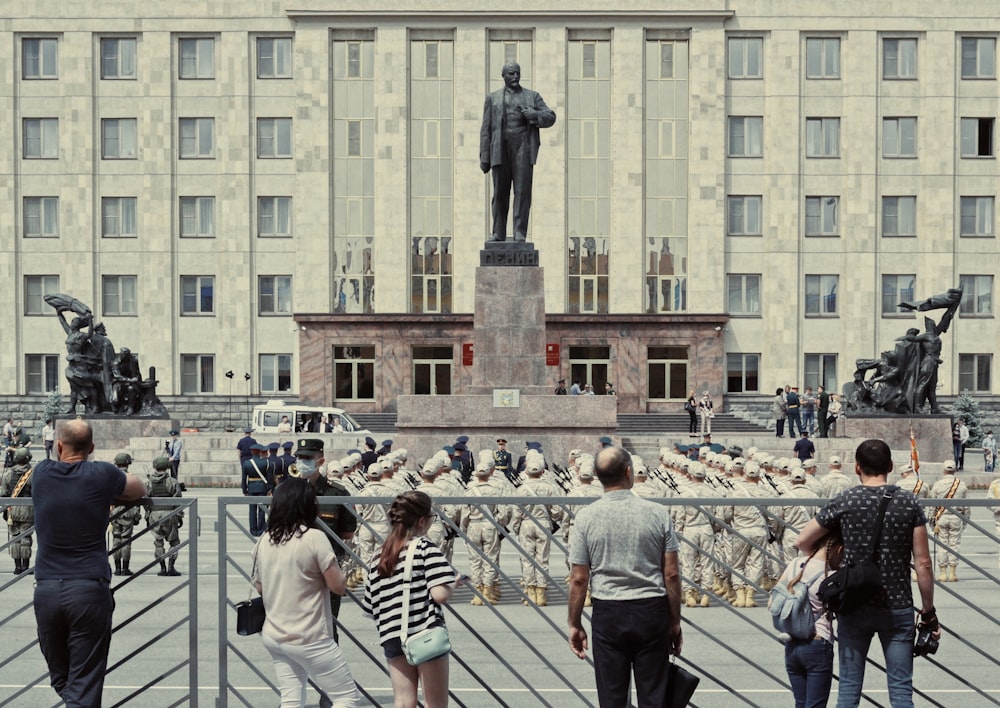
(306, 466)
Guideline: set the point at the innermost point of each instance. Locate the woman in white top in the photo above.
(705, 408)
(295, 572)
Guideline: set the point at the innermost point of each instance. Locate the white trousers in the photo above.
(322, 661)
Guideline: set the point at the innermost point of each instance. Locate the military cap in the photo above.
(482, 471)
(605, 440)
(752, 470)
(257, 447)
(247, 430)
(175, 432)
(345, 464)
(22, 455)
(502, 440)
(274, 446)
(834, 460)
(375, 470)
(123, 459)
(798, 475)
(739, 462)
(385, 464)
(161, 463)
(906, 469)
(586, 470)
(809, 463)
(288, 445)
(696, 470)
(562, 380)
(354, 451)
(429, 469)
(387, 443)
(949, 466)
(460, 438)
(448, 450)
(402, 454)
(370, 442)
(310, 446)
(460, 447)
(354, 457)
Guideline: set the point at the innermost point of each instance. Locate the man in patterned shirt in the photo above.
(852, 513)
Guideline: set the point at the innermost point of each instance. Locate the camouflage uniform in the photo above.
(20, 519)
(162, 484)
(481, 522)
(947, 525)
(534, 525)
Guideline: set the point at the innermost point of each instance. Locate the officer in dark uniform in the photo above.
(503, 460)
(384, 450)
(287, 460)
(277, 463)
(257, 482)
(244, 445)
(463, 458)
(368, 457)
(339, 517)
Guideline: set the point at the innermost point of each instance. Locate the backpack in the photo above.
(791, 612)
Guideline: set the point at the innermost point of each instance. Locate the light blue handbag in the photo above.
(426, 644)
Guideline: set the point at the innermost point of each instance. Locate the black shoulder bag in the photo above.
(855, 584)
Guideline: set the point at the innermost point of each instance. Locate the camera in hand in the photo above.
(166, 445)
(925, 643)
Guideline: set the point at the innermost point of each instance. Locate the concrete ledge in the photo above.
(462, 413)
(933, 432)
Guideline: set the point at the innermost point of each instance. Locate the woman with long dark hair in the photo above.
(431, 584)
(691, 406)
(295, 571)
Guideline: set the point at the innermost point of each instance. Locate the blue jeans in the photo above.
(74, 633)
(630, 636)
(794, 422)
(895, 632)
(808, 421)
(809, 663)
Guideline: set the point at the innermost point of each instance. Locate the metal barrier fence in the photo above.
(510, 653)
(138, 665)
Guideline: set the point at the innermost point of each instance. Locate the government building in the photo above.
(735, 195)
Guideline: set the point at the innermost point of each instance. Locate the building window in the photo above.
(897, 289)
(41, 217)
(119, 295)
(974, 373)
(666, 281)
(274, 217)
(976, 216)
(40, 58)
(588, 271)
(820, 370)
(197, 294)
(746, 58)
(822, 58)
(821, 295)
(667, 377)
(432, 371)
(822, 137)
(274, 294)
(36, 287)
(197, 58)
(899, 137)
(977, 295)
(41, 373)
(742, 373)
(821, 216)
(899, 216)
(118, 138)
(275, 373)
(589, 365)
(899, 58)
(354, 372)
(977, 137)
(274, 57)
(118, 58)
(197, 138)
(354, 60)
(198, 217)
(197, 373)
(744, 216)
(746, 136)
(274, 137)
(118, 217)
(431, 275)
(978, 57)
(666, 60)
(41, 138)
(743, 294)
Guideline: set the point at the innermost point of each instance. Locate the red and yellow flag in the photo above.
(914, 457)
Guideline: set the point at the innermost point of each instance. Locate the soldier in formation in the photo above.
(123, 521)
(16, 483)
(534, 525)
(948, 522)
(165, 523)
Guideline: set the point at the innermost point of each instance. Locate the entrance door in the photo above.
(590, 365)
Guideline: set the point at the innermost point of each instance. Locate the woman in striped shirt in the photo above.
(431, 584)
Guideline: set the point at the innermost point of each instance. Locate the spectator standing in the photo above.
(792, 407)
(960, 438)
(691, 406)
(823, 410)
(808, 404)
(49, 437)
(574, 390)
(833, 415)
(174, 449)
(705, 409)
(989, 451)
(778, 412)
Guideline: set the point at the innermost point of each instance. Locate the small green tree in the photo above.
(53, 405)
(967, 408)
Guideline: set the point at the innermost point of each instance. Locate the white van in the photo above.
(304, 419)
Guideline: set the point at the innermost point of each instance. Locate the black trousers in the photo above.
(517, 172)
(630, 636)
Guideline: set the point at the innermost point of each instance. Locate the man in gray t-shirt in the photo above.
(635, 584)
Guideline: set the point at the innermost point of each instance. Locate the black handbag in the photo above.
(859, 582)
(681, 685)
(250, 614)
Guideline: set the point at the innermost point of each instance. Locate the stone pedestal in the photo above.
(933, 433)
(112, 434)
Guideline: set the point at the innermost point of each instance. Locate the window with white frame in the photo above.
(36, 287)
(41, 373)
(743, 294)
(979, 57)
(899, 58)
(198, 217)
(977, 137)
(742, 373)
(977, 295)
(976, 215)
(41, 138)
(197, 373)
(118, 138)
(197, 138)
(354, 372)
(118, 57)
(897, 288)
(197, 55)
(899, 216)
(746, 136)
(275, 373)
(197, 294)
(274, 137)
(822, 137)
(40, 58)
(274, 57)
(274, 217)
(899, 137)
(667, 369)
(975, 373)
(746, 57)
(822, 58)
(118, 217)
(41, 217)
(821, 216)
(432, 370)
(274, 294)
(119, 293)
(820, 370)
(744, 215)
(821, 295)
